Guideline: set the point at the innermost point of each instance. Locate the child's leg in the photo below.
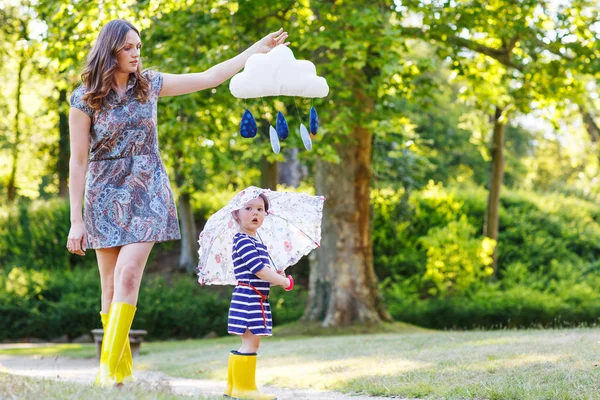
(244, 370)
(250, 343)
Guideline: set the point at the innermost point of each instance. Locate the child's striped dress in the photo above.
(246, 310)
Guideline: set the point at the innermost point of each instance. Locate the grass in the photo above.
(63, 349)
(507, 364)
(293, 330)
(18, 387)
(302, 328)
(514, 364)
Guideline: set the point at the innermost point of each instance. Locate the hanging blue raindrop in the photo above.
(248, 127)
(314, 121)
(281, 126)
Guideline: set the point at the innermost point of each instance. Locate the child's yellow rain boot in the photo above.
(229, 386)
(244, 378)
(125, 367)
(116, 334)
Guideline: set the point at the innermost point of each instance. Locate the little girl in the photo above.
(250, 312)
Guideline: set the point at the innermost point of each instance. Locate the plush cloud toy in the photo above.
(278, 73)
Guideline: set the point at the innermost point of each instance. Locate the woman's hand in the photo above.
(76, 240)
(175, 85)
(270, 41)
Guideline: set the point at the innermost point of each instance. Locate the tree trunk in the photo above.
(590, 125)
(342, 285)
(63, 145)
(291, 171)
(188, 256)
(497, 176)
(12, 187)
(268, 179)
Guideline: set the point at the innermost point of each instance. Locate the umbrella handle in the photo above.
(287, 289)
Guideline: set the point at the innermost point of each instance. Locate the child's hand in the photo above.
(290, 286)
(281, 272)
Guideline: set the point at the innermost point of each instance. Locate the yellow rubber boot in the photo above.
(116, 335)
(227, 392)
(125, 367)
(244, 378)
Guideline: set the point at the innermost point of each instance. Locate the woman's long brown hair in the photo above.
(101, 64)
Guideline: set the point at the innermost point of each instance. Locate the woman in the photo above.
(114, 151)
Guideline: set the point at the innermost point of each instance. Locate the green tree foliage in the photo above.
(417, 87)
(513, 56)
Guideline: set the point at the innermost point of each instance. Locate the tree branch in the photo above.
(503, 56)
(590, 125)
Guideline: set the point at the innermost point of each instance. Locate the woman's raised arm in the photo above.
(175, 85)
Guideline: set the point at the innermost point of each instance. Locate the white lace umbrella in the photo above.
(290, 231)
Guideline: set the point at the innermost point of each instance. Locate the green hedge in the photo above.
(548, 270)
(535, 230)
(517, 307)
(561, 295)
(429, 254)
(46, 292)
(34, 235)
(50, 304)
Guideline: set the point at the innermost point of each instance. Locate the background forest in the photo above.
(458, 150)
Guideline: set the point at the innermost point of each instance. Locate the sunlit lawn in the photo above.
(63, 349)
(19, 387)
(508, 364)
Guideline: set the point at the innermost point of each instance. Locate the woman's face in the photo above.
(252, 215)
(128, 58)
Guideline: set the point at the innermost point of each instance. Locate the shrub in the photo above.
(50, 304)
(455, 259)
(34, 235)
(518, 307)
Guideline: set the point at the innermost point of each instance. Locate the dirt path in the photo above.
(84, 371)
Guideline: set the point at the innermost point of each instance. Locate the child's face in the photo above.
(252, 215)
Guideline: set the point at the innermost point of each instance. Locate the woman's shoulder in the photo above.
(149, 73)
(152, 75)
(78, 92)
(77, 100)
(155, 79)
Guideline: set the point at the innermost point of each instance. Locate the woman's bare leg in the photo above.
(129, 270)
(107, 260)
